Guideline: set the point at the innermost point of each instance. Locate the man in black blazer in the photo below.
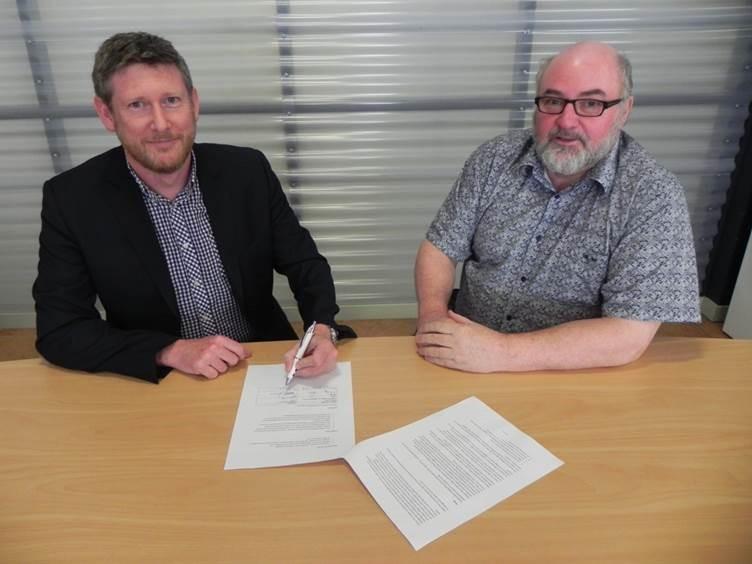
(178, 240)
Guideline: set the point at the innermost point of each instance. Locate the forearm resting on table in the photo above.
(585, 343)
(434, 280)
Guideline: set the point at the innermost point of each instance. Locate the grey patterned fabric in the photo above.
(205, 301)
(616, 244)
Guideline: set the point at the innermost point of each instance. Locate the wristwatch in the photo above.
(333, 334)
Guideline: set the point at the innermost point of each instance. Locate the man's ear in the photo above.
(628, 103)
(104, 113)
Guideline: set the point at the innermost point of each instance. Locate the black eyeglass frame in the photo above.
(606, 105)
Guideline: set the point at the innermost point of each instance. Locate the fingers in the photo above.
(446, 361)
(208, 372)
(446, 326)
(437, 349)
(433, 340)
(218, 355)
(210, 365)
(226, 355)
(232, 346)
(454, 316)
(208, 356)
(437, 341)
(321, 358)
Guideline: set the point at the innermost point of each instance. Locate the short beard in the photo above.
(569, 161)
(152, 162)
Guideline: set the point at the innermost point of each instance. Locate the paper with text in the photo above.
(441, 471)
(309, 421)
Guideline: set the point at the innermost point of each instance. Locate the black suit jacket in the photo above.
(97, 240)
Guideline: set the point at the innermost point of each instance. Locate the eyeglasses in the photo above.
(585, 107)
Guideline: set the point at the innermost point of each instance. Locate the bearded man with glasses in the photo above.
(576, 243)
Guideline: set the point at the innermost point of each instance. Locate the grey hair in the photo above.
(625, 68)
(123, 49)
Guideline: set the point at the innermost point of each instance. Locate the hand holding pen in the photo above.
(305, 341)
(313, 355)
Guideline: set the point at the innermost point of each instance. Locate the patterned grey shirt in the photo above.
(616, 244)
(205, 301)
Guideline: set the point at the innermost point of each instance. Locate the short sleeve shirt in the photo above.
(618, 243)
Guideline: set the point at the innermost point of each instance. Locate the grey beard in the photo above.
(563, 161)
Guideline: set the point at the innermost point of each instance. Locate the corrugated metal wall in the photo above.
(367, 109)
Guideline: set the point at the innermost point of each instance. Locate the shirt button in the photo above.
(196, 282)
(509, 318)
(523, 278)
(538, 238)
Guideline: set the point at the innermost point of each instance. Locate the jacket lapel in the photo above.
(128, 206)
(222, 208)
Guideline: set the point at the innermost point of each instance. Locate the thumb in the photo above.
(459, 318)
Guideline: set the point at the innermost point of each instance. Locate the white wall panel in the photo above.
(367, 108)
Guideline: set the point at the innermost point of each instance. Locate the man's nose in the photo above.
(159, 119)
(568, 117)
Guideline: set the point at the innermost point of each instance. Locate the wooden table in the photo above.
(658, 465)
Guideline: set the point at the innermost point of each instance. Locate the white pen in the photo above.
(305, 341)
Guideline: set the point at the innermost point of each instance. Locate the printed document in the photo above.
(441, 471)
(276, 425)
(429, 477)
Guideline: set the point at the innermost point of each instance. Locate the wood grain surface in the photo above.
(658, 465)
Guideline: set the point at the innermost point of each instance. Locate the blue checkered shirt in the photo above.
(205, 301)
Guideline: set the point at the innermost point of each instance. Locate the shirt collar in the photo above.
(603, 173)
(187, 190)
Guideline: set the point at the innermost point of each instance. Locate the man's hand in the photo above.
(321, 356)
(456, 342)
(431, 316)
(208, 356)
